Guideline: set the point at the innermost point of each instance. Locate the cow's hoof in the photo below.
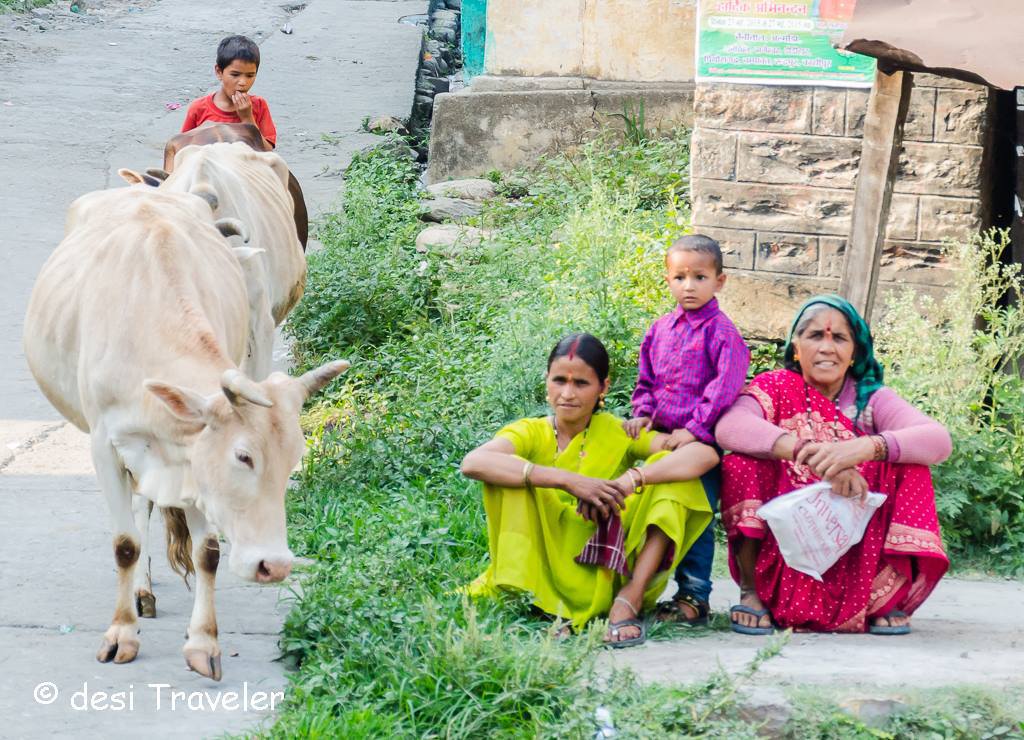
(204, 663)
(120, 644)
(145, 604)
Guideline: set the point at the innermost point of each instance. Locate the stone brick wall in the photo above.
(774, 171)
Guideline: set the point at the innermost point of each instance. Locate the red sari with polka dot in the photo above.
(900, 558)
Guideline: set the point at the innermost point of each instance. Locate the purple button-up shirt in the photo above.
(693, 365)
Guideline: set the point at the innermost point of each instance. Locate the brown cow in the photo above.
(247, 133)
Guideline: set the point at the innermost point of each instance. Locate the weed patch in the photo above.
(448, 344)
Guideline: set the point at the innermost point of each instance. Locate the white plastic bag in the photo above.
(815, 527)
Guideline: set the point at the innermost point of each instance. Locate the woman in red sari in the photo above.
(827, 416)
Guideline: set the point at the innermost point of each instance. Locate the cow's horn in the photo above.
(158, 172)
(317, 378)
(245, 254)
(207, 193)
(232, 227)
(235, 385)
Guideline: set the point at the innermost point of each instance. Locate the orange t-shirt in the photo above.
(204, 109)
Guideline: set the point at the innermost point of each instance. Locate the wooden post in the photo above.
(883, 138)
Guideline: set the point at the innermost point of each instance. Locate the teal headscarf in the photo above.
(865, 370)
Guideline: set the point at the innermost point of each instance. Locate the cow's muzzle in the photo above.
(273, 570)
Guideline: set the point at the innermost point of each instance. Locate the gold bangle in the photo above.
(643, 478)
(632, 479)
(527, 469)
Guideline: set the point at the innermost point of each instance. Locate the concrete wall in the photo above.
(634, 40)
(508, 122)
(774, 171)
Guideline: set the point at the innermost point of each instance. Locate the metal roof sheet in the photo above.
(974, 40)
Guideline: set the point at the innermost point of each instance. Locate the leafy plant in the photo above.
(634, 119)
(449, 344)
(954, 358)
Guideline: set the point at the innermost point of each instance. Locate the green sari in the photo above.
(535, 536)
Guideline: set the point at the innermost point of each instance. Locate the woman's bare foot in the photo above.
(625, 606)
(750, 599)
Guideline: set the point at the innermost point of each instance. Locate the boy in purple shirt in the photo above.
(693, 364)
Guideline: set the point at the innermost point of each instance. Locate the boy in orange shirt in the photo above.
(238, 60)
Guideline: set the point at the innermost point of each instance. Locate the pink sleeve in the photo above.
(912, 436)
(744, 429)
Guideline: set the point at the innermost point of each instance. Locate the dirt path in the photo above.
(79, 98)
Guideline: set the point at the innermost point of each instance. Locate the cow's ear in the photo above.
(186, 404)
(131, 176)
(317, 378)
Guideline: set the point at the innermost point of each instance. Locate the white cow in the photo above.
(135, 330)
(251, 187)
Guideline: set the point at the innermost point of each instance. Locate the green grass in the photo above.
(444, 351)
(446, 346)
(21, 6)
(957, 712)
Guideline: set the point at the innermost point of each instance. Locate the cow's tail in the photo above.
(179, 542)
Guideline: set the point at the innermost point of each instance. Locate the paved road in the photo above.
(967, 633)
(78, 100)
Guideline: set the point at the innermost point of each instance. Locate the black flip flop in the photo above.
(744, 629)
(614, 627)
(879, 629)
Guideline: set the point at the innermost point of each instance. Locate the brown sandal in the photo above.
(672, 611)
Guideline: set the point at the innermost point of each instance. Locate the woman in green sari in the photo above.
(570, 518)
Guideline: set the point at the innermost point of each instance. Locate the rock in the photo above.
(768, 707)
(431, 67)
(438, 84)
(444, 34)
(450, 209)
(873, 712)
(454, 4)
(385, 124)
(398, 147)
(422, 106)
(446, 17)
(471, 189)
(449, 238)
(42, 12)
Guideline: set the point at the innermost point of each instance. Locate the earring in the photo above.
(796, 356)
(600, 401)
